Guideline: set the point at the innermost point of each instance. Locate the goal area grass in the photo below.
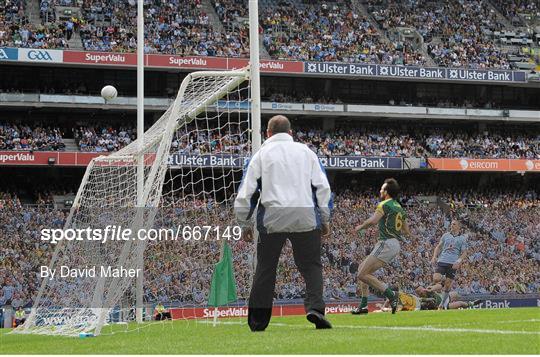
(496, 331)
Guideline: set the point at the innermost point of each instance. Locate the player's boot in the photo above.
(318, 319)
(359, 310)
(394, 301)
(475, 302)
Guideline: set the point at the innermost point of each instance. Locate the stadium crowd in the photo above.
(329, 32)
(103, 139)
(25, 137)
(177, 27)
(512, 8)
(22, 251)
(457, 33)
(503, 253)
(350, 141)
(345, 141)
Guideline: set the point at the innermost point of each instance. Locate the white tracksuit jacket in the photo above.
(289, 184)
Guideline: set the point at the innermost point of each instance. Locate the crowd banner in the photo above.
(268, 66)
(344, 70)
(282, 106)
(40, 55)
(41, 158)
(242, 311)
(386, 109)
(189, 62)
(362, 163)
(70, 99)
(80, 158)
(180, 160)
(339, 307)
(9, 54)
(465, 164)
(524, 114)
(324, 107)
(19, 97)
(100, 58)
(413, 72)
(447, 111)
(234, 104)
(485, 112)
(331, 162)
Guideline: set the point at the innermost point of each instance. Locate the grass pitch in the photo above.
(498, 331)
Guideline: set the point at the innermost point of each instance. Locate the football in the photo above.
(109, 92)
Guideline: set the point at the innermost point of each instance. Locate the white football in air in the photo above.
(109, 92)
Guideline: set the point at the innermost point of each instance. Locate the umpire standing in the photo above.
(287, 187)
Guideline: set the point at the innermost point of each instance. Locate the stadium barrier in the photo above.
(314, 109)
(342, 307)
(465, 164)
(296, 308)
(82, 159)
(320, 69)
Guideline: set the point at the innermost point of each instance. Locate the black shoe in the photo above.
(318, 319)
(394, 302)
(475, 302)
(359, 310)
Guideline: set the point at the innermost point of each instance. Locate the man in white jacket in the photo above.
(285, 187)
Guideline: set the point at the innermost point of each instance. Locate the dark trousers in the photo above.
(307, 257)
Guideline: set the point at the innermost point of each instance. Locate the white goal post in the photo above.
(201, 119)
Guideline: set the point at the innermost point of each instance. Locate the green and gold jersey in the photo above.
(391, 223)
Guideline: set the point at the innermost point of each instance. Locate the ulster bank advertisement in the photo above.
(333, 162)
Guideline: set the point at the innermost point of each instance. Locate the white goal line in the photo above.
(426, 328)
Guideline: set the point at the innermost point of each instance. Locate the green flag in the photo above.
(223, 288)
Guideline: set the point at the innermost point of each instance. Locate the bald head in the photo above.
(278, 124)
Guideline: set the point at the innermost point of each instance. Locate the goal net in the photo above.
(190, 165)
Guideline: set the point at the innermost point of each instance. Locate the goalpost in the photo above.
(141, 187)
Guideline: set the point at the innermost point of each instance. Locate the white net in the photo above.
(191, 162)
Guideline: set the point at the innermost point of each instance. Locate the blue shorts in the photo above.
(446, 270)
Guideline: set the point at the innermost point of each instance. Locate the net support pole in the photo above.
(140, 139)
(255, 83)
(255, 75)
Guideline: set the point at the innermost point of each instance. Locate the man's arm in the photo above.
(246, 199)
(458, 263)
(407, 230)
(437, 251)
(323, 193)
(373, 220)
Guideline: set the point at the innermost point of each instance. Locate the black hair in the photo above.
(392, 187)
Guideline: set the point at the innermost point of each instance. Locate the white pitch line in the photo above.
(439, 329)
(402, 328)
(497, 322)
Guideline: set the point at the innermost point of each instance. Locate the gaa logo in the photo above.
(39, 55)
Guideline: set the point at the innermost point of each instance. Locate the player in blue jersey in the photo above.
(448, 257)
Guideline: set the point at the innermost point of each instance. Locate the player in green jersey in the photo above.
(432, 299)
(391, 219)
